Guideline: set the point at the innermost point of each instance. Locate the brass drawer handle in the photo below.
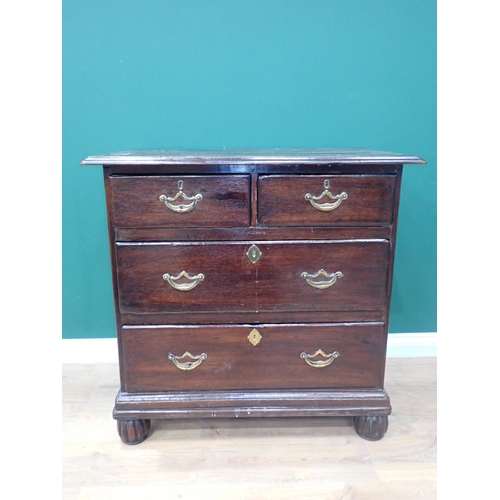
(182, 208)
(330, 358)
(187, 365)
(331, 279)
(326, 207)
(183, 287)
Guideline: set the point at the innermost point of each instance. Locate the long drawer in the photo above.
(326, 200)
(175, 201)
(252, 276)
(169, 358)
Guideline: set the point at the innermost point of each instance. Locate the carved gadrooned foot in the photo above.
(371, 428)
(134, 431)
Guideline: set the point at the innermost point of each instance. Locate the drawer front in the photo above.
(326, 200)
(220, 277)
(184, 277)
(172, 201)
(323, 275)
(286, 356)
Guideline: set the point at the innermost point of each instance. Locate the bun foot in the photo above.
(371, 428)
(134, 431)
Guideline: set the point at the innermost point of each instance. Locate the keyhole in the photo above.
(327, 184)
(180, 185)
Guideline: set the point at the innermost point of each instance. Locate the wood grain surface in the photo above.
(232, 362)
(369, 200)
(249, 156)
(224, 201)
(233, 283)
(210, 277)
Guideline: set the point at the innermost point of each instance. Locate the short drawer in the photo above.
(174, 201)
(326, 200)
(164, 358)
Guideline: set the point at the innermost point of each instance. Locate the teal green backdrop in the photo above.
(246, 73)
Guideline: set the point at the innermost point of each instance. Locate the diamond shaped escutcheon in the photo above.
(254, 337)
(254, 254)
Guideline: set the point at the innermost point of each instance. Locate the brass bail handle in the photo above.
(183, 207)
(187, 365)
(328, 206)
(331, 279)
(319, 363)
(183, 286)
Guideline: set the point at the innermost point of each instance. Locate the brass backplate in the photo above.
(254, 254)
(254, 337)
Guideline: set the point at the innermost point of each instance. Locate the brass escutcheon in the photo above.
(254, 254)
(254, 337)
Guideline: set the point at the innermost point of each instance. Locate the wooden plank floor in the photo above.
(253, 459)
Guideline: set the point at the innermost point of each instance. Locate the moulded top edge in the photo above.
(249, 157)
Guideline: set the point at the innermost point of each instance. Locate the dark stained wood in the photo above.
(282, 202)
(233, 283)
(134, 431)
(316, 168)
(254, 233)
(228, 284)
(252, 403)
(112, 247)
(363, 264)
(251, 197)
(136, 201)
(371, 427)
(234, 363)
(253, 317)
(392, 240)
(254, 197)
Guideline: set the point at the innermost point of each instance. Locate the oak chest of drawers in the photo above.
(252, 283)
